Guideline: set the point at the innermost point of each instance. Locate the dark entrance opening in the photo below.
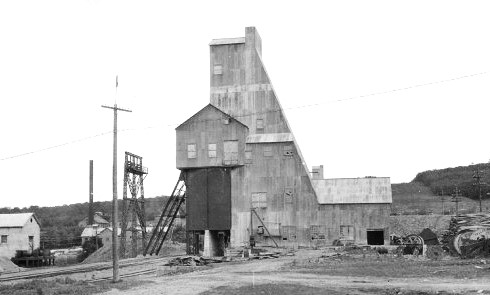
(375, 237)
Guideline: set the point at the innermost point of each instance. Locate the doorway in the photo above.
(375, 237)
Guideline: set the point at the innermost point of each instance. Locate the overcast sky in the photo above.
(378, 88)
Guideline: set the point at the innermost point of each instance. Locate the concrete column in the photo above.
(210, 243)
(207, 244)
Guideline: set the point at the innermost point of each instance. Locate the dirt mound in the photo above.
(6, 265)
(103, 254)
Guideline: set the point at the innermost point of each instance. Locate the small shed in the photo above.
(20, 231)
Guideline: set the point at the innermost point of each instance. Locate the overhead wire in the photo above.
(253, 113)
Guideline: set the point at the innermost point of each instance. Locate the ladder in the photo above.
(167, 218)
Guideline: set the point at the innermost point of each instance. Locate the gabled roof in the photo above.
(97, 219)
(16, 219)
(210, 107)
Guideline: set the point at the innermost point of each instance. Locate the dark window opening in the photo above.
(375, 237)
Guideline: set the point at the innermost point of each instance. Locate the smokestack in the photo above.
(91, 195)
(317, 172)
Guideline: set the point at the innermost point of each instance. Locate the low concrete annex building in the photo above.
(238, 153)
(20, 231)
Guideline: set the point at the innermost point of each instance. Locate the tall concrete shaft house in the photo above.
(239, 153)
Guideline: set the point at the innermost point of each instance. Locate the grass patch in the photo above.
(271, 289)
(290, 289)
(64, 285)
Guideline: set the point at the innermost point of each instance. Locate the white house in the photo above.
(20, 231)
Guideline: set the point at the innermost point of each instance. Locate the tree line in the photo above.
(59, 224)
(446, 180)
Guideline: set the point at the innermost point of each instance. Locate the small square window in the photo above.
(4, 239)
(248, 157)
(191, 151)
(260, 124)
(212, 150)
(259, 200)
(218, 69)
(288, 233)
(248, 154)
(288, 150)
(268, 151)
(288, 195)
(226, 121)
(317, 232)
(347, 232)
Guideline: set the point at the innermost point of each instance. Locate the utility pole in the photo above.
(442, 200)
(456, 198)
(115, 257)
(477, 175)
(91, 194)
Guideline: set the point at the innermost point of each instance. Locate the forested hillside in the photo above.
(447, 179)
(59, 224)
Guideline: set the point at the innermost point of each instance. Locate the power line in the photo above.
(56, 146)
(256, 113)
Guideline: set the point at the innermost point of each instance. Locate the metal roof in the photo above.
(370, 190)
(270, 137)
(210, 107)
(16, 219)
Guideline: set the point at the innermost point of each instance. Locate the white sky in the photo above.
(59, 59)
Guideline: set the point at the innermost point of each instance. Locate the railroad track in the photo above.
(46, 273)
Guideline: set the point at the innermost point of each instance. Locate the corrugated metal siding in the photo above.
(353, 190)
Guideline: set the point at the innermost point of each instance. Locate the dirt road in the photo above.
(228, 278)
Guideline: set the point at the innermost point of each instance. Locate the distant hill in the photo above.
(445, 180)
(430, 191)
(415, 198)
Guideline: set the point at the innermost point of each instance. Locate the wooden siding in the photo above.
(353, 190)
(274, 171)
(18, 238)
(209, 126)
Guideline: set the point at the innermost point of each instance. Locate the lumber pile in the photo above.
(194, 261)
(465, 230)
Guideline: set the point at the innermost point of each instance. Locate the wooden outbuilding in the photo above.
(19, 232)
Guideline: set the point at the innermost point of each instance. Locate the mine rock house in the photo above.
(20, 231)
(246, 179)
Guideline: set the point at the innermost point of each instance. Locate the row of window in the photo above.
(192, 152)
(259, 199)
(318, 232)
(4, 239)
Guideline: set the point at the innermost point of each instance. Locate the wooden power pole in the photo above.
(456, 198)
(91, 194)
(115, 257)
(477, 176)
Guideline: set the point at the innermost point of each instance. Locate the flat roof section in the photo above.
(269, 138)
(226, 41)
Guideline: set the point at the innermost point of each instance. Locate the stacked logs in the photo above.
(467, 231)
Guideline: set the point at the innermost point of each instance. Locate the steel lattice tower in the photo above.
(134, 207)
